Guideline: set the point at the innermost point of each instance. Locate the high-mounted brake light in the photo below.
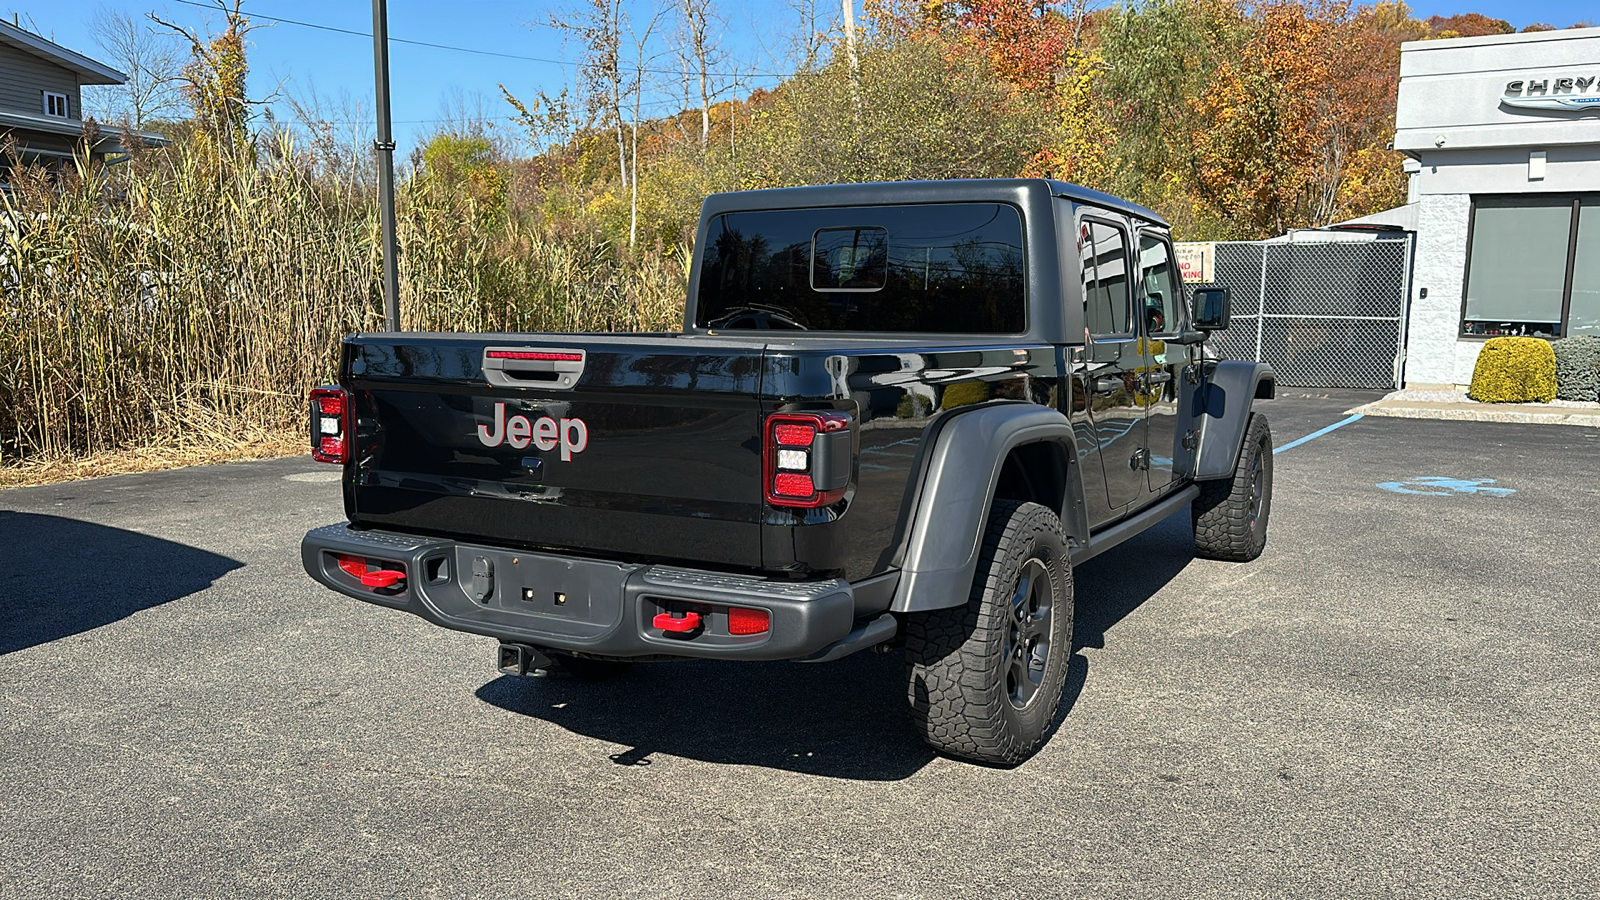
(330, 425)
(541, 355)
(807, 458)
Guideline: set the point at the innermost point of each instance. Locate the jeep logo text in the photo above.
(543, 432)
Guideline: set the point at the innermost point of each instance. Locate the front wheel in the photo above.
(985, 679)
(1230, 515)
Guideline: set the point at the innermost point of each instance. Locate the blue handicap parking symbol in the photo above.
(1438, 486)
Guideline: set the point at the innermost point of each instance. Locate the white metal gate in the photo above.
(1321, 313)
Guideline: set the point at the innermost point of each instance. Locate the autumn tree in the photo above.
(811, 29)
(467, 171)
(598, 26)
(1467, 25)
(1299, 120)
(705, 61)
(214, 80)
(1155, 57)
(1025, 40)
(936, 112)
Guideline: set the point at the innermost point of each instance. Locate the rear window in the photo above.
(935, 268)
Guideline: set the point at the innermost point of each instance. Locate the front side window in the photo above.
(56, 105)
(1533, 267)
(932, 268)
(1163, 295)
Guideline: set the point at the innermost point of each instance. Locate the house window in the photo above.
(1533, 266)
(56, 105)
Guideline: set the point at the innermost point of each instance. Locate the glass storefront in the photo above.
(1533, 266)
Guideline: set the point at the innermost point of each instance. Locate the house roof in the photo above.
(10, 120)
(87, 70)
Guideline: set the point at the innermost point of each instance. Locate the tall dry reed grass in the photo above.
(188, 301)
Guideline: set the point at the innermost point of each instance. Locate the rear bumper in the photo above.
(583, 605)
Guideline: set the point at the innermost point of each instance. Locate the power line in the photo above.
(476, 51)
(674, 104)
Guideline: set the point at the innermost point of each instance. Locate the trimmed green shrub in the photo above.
(964, 393)
(1578, 368)
(913, 406)
(1514, 370)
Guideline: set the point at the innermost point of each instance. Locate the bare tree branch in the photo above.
(152, 62)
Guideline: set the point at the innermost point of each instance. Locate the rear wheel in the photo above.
(985, 679)
(1230, 515)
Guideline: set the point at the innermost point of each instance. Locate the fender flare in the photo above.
(956, 491)
(1231, 387)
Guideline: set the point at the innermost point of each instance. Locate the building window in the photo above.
(56, 105)
(1533, 266)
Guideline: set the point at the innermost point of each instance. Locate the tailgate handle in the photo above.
(545, 367)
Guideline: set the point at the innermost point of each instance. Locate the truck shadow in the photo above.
(845, 719)
(1119, 581)
(60, 577)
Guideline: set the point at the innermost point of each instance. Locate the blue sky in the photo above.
(426, 81)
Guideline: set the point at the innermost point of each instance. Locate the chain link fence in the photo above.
(1322, 314)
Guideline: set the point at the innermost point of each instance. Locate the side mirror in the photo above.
(1212, 308)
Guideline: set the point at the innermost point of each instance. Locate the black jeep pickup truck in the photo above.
(897, 416)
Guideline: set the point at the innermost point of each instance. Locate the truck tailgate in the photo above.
(653, 451)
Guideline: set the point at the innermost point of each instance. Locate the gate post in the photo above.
(1405, 314)
(1261, 301)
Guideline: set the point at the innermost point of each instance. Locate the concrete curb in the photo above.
(1517, 413)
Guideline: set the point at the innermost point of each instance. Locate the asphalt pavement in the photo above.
(1397, 699)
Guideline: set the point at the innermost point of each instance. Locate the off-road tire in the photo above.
(960, 678)
(1230, 515)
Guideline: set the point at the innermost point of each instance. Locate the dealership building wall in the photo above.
(1503, 138)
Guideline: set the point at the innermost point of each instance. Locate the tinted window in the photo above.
(1104, 250)
(1518, 268)
(1163, 296)
(953, 268)
(850, 259)
(1584, 315)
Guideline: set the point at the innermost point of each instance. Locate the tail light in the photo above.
(807, 458)
(330, 425)
(745, 620)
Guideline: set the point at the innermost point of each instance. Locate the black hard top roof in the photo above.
(892, 192)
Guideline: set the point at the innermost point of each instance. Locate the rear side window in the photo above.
(936, 268)
(1104, 250)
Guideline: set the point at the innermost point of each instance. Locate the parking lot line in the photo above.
(1316, 434)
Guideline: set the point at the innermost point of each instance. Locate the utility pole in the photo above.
(385, 147)
(850, 48)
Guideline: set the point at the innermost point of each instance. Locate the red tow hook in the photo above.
(357, 567)
(670, 623)
(382, 578)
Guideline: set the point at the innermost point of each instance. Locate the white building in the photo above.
(1503, 135)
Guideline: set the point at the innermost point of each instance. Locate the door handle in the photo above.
(1107, 385)
(1161, 377)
